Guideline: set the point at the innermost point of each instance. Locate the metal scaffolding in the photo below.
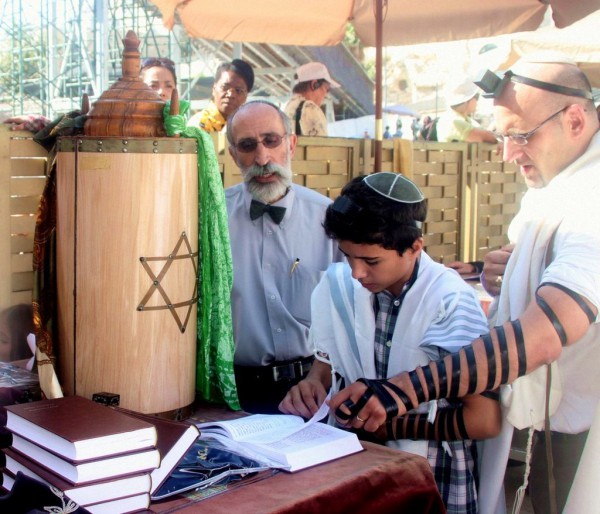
(54, 51)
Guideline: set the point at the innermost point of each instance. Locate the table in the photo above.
(379, 480)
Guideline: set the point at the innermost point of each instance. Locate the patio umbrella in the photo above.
(579, 41)
(377, 23)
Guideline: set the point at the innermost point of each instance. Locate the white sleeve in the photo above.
(460, 320)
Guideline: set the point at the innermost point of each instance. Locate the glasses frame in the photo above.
(255, 142)
(522, 138)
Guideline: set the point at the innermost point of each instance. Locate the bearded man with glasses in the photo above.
(279, 251)
(545, 331)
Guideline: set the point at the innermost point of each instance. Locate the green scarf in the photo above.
(215, 379)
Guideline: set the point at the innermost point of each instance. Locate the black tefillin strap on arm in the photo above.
(441, 379)
(449, 425)
(496, 346)
(556, 323)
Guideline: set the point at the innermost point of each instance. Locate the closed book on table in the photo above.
(174, 440)
(80, 472)
(122, 505)
(93, 492)
(133, 503)
(77, 428)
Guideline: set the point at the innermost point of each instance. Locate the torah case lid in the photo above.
(129, 107)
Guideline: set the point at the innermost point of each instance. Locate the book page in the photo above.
(309, 434)
(261, 427)
(274, 428)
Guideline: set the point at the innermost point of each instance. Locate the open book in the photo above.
(284, 441)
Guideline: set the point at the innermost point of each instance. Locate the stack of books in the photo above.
(104, 459)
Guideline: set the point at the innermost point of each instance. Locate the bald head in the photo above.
(258, 108)
(559, 125)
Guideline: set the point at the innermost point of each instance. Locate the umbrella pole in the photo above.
(378, 84)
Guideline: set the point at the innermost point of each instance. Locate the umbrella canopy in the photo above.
(579, 41)
(377, 23)
(318, 22)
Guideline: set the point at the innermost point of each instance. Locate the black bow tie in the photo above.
(257, 209)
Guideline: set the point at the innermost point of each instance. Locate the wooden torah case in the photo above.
(129, 107)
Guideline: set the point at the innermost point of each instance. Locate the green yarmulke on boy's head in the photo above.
(395, 187)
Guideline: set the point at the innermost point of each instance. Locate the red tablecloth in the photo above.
(377, 480)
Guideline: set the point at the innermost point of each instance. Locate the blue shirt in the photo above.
(270, 303)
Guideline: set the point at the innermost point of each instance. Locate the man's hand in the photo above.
(463, 268)
(494, 266)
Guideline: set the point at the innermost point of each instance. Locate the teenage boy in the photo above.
(390, 308)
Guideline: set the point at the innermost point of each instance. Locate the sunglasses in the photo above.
(248, 145)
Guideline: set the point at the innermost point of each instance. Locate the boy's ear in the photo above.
(417, 246)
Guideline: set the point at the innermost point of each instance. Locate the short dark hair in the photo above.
(160, 62)
(242, 68)
(374, 219)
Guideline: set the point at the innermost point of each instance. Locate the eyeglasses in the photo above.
(521, 139)
(226, 87)
(149, 62)
(250, 145)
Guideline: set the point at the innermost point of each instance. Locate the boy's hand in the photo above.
(369, 418)
(304, 399)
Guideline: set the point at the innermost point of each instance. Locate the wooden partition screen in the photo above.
(23, 166)
(472, 194)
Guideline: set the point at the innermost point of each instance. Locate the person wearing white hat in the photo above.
(457, 123)
(313, 82)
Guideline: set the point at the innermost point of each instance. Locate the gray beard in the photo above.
(267, 193)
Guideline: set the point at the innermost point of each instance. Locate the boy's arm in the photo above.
(477, 417)
(512, 350)
(305, 398)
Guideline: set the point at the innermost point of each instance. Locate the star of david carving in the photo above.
(156, 285)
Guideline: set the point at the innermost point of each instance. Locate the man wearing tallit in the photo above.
(547, 311)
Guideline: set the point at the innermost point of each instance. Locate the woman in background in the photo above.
(158, 73)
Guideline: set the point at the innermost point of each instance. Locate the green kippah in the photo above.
(394, 186)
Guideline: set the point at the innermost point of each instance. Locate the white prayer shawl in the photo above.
(570, 195)
(347, 335)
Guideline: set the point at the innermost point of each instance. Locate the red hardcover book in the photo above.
(174, 440)
(81, 472)
(94, 492)
(78, 429)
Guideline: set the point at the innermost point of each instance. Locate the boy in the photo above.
(392, 308)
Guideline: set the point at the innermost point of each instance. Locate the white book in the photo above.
(284, 441)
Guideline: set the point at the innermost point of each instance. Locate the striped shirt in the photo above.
(460, 320)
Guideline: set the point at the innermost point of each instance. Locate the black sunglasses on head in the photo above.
(149, 62)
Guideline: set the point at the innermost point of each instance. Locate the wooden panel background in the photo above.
(497, 188)
(22, 178)
(472, 194)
